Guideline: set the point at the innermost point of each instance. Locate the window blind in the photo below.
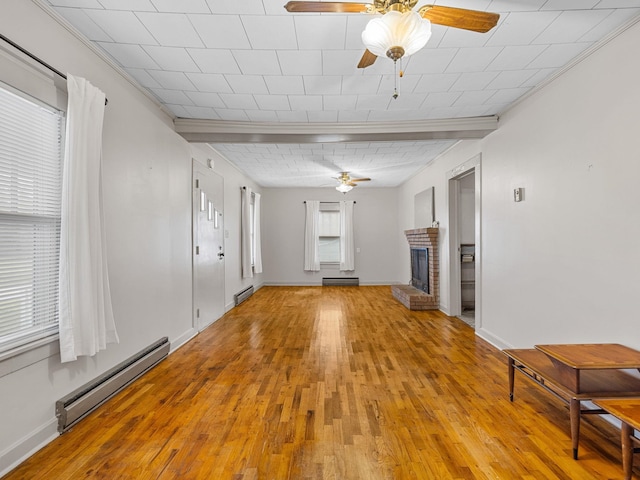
(31, 138)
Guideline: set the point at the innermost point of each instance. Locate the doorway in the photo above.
(208, 246)
(465, 242)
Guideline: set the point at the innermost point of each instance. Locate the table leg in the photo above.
(512, 372)
(574, 415)
(627, 450)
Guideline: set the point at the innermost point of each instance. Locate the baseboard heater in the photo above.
(340, 281)
(79, 403)
(242, 295)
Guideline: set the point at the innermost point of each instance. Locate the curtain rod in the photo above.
(39, 60)
(328, 202)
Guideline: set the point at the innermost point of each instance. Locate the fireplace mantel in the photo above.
(411, 297)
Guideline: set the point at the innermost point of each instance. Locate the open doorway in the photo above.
(464, 242)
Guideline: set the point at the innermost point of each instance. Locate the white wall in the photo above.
(147, 197)
(375, 227)
(562, 265)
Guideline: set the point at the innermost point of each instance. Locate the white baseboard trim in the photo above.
(492, 339)
(183, 339)
(27, 446)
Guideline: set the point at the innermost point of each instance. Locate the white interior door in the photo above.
(208, 246)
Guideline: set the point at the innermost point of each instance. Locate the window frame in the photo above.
(28, 79)
(333, 207)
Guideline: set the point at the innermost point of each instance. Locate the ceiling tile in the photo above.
(85, 24)
(270, 33)
(249, 84)
(257, 62)
(183, 6)
(570, 26)
(273, 102)
(431, 61)
(121, 26)
(171, 80)
(172, 58)
(171, 29)
(506, 95)
(172, 96)
(440, 99)
(214, 61)
(441, 82)
(473, 81)
(319, 85)
(206, 99)
(363, 84)
(285, 84)
(76, 3)
(239, 101)
(471, 98)
(232, 115)
(143, 78)
(614, 20)
(568, 4)
(558, 55)
(340, 62)
(516, 58)
(248, 7)
(456, 38)
(292, 117)
(323, 116)
(521, 28)
(510, 79)
(132, 5)
(373, 102)
(298, 62)
(207, 113)
(129, 55)
(339, 102)
(210, 82)
(262, 116)
(473, 59)
(316, 32)
(305, 102)
(221, 32)
(509, 5)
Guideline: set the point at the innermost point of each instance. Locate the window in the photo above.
(30, 187)
(329, 233)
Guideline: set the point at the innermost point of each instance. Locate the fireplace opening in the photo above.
(420, 269)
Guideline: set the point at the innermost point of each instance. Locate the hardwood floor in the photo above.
(330, 383)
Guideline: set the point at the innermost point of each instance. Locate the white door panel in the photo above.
(208, 246)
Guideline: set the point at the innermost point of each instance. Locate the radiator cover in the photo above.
(341, 281)
(242, 295)
(82, 401)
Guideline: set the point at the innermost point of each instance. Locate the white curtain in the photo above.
(311, 241)
(86, 315)
(347, 245)
(257, 248)
(245, 231)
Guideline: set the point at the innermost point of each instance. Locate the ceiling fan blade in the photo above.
(367, 59)
(473, 20)
(360, 180)
(328, 7)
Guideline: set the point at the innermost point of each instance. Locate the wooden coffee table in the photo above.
(576, 373)
(628, 412)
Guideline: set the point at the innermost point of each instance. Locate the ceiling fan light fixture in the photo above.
(344, 188)
(396, 34)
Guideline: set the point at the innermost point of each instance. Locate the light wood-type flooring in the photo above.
(330, 383)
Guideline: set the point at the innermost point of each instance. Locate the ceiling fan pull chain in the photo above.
(395, 79)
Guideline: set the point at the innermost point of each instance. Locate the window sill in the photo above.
(25, 355)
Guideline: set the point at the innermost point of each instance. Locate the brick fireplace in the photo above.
(409, 296)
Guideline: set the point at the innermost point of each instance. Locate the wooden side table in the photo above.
(628, 412)
(578, 373)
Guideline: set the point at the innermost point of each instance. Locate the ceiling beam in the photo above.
(219, 131)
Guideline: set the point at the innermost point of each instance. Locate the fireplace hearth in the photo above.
(425, 296)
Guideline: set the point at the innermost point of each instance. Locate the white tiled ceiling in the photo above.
(250, 61)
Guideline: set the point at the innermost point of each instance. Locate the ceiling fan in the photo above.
(401, 31)
(347, 183)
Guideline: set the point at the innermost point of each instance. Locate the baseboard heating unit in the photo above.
(79, 403)
(242, 295)
(340, 281)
